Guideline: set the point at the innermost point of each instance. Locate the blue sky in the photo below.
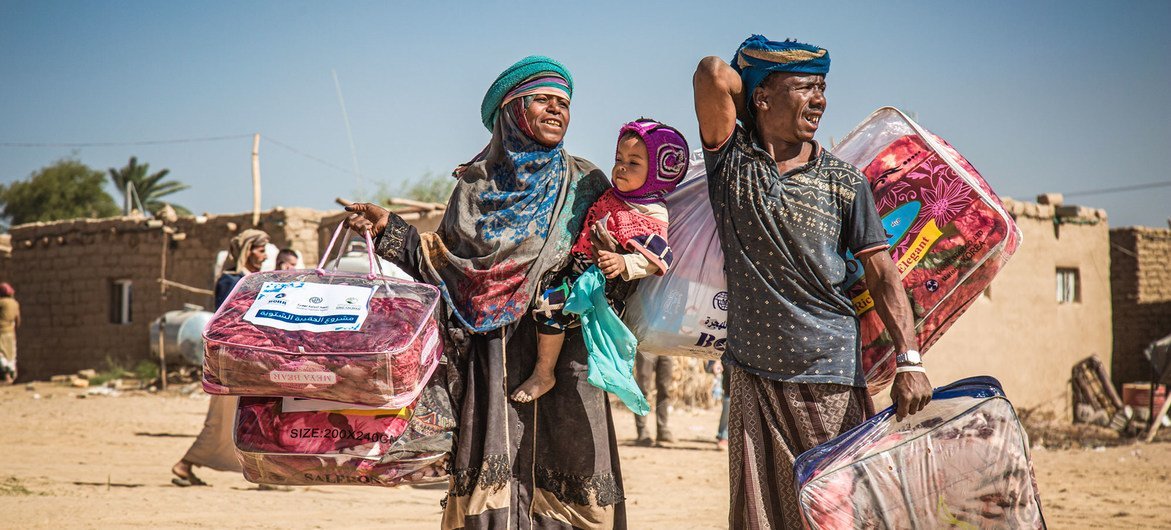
(1040, 96)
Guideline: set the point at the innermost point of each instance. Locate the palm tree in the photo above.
(149, 187)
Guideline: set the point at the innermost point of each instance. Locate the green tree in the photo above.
(149, 187)
(65, 189)
(429, 187)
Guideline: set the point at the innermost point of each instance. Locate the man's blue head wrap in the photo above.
(758, 57)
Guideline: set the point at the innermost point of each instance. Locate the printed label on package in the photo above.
(315, 307)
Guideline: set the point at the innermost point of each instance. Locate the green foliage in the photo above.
(146, 370)
(431, 187)
(114, 369)
(150, 187)
(65, 189)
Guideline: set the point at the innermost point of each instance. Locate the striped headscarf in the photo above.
(535, 74)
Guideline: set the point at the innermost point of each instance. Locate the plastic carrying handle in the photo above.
(375, 265)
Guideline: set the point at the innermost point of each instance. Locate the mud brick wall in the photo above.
(1140, 271)
(64, 274)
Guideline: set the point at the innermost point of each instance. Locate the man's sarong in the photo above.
(770, 423)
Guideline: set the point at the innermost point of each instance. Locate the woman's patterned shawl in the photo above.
(511, 220)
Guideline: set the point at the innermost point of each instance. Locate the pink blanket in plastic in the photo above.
(962, 462)
(345, 447)
(949, 232)
(383, 363)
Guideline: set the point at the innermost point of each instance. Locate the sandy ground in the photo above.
(103, 462)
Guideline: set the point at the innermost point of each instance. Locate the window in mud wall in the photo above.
(1068, 286)
(120, 297)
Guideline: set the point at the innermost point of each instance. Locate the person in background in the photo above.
(659, 370)
(9, 321)
(286, 259)
(213, 448)
(725, 399)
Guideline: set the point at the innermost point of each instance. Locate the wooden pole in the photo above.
(256, 179)
(1157, 418)
(163, 320)
(163, 352)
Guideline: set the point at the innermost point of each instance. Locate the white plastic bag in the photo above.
(685, 311)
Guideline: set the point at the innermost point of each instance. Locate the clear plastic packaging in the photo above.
(353, 338)
(962, 462)
(386, 447)
(685, 311)
(950, 234)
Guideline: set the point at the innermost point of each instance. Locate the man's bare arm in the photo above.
(911, 390)
(719, 99)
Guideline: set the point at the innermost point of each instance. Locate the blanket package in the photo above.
(962, 462)
(949, 232)
(290, 441)
(685, 311)
(344, 337)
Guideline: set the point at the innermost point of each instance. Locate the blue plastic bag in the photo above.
(611, 345)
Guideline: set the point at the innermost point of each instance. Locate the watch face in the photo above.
(910, 356)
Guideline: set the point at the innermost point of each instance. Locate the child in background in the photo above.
(649, 162)
(286, 259)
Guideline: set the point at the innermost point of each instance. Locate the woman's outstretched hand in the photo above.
(366, 217)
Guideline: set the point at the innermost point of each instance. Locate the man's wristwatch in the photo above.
(909, 357)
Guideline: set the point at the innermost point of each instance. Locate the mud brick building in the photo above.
(90, 288)
(1140, 269)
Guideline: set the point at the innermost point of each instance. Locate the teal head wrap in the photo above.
(514, 75)
(758, 57)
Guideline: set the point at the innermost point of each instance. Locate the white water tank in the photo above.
(182, 336)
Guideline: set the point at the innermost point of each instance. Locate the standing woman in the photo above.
(507, 230)
(214, 447)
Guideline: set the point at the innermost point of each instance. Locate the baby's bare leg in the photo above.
(542, 380)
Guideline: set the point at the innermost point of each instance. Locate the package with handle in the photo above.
(961, 462)
(685, 311)
(949, 232)
(288, 441)
(354, 338)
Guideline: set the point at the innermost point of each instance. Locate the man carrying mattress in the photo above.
(787, 212)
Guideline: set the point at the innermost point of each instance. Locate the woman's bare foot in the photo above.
(533, 387)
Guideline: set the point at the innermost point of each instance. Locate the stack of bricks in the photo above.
(1140, 277)
(65, 274)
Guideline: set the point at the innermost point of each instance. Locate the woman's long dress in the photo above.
(552, 463)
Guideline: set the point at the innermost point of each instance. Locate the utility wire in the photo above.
(116, 144)
(1135, 187)
(296, 151)
(278, 143)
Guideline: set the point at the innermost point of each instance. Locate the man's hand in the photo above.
(910, 393)
(365, 217)
(611, 264)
